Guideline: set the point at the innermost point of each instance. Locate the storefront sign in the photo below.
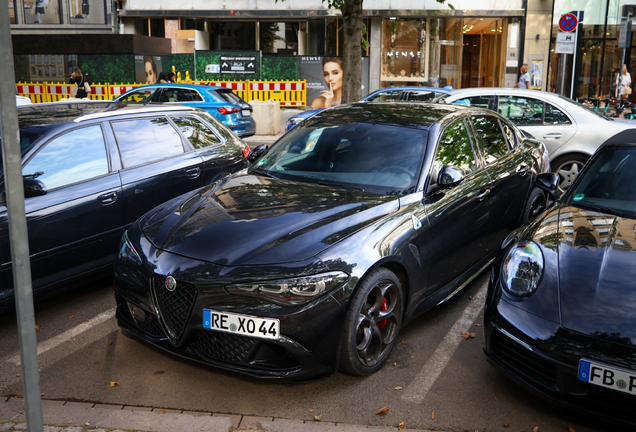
(238, 65)
(565, 43)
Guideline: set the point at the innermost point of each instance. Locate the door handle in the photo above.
(522, 169)
(193, 173)
(107, 198)
(483, 195)
(554, 136)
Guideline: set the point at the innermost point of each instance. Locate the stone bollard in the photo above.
(267, 117)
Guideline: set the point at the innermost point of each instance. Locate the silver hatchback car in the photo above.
(571, 131)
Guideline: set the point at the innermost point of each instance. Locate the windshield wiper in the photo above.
(265, 173)
(336, 184)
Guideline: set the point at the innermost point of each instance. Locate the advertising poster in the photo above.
(147, 69)
(319, 72)
(238, 65)
(536, 75)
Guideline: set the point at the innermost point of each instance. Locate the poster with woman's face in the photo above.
(321, 77)
(147, 69)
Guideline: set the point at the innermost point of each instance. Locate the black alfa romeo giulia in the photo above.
(351, 225)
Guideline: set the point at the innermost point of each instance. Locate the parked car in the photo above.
(571, 131)
(22, 100)
(559, 317)
(391, 94)
(91, 169)
(350, 226)
(221, 102)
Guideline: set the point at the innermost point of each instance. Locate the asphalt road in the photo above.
(434, 380)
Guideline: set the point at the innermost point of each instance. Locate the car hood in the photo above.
(597, 274)
(252, 219)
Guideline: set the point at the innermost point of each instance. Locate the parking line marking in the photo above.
(49, 344)
(424, 380)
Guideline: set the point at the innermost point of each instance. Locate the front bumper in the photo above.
(307, 348)
(543, 357)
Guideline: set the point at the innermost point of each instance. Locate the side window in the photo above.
(73, 157)
(386, 96)
(510, 135)
(199, 134)
(187, 95)
(491, 138)
(475, 101)
(145, 140)
(454, 149)
(553, 115)
(139, 95)
(421, 96)
(521, 110)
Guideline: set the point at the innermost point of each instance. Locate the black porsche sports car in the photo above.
(560, 316)
(352, 224)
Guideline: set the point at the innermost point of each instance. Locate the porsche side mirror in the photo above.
(549, 182)
(33, 188)
(257, 152)
(449, 177)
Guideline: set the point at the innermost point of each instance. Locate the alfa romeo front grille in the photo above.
(151, 325)
(221, 346)
(175, 306)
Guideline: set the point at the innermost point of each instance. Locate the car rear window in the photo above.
(228, 96)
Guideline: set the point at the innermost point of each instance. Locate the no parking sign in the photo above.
(568, 23)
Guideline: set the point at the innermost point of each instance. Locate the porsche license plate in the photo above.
(607, 376)
(247, 113)
(267, 328)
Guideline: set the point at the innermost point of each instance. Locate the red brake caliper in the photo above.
(384, 307)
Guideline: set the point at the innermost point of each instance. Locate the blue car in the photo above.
(391, 94)
(221, 102)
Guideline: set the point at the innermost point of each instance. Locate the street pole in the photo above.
(564, 61)
(14, 192)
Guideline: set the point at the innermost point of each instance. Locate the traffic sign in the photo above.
(565, 43)
(568, 23)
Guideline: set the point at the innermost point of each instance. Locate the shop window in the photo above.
(42, 11)
(87, 11)
(12, 13)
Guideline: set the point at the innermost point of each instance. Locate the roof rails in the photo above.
(133, 109)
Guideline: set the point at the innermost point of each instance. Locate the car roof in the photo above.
(410, 114)
(414, 88)
(201, 87)
(501, 90)
(47, 114)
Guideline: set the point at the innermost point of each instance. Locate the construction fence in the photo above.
(287, 93)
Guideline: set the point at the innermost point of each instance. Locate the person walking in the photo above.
(524, 79)
(625, 83)
(83, 85)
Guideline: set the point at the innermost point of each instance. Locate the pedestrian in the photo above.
(83, 85)
(166, 78)
(524, 79)
(625, 89)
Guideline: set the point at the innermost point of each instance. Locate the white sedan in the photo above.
(571, 131)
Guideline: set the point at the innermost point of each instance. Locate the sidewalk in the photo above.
(62, 416)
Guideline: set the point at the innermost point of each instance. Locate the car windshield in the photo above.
(608, 183)
(373, 157)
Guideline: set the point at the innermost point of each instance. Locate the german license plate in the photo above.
(607, 376)
(247, 113)
(267, 328)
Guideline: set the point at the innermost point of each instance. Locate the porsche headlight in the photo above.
(522, 269)
(290, 291)
(127, 251)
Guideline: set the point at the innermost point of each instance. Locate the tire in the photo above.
(568, 167)
(535, 205)
(372, 323)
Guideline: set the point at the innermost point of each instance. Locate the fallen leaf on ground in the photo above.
(311, 410)
(318, 417)
(398, 388)
(37, 326)
(114, 383)
(408, 411)
(468, 335)
(470, 297)
(535, 429)
(42, 394)
(87, 424)
(72, 316)
(401, 426)
(382, 410)
(163, 410)
(506, 424)
(571, 429)
(433, 415)
(477, 325)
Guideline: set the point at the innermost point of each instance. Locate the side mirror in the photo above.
(257, 152)
(33, 188)
(449, 177)
(549, 182)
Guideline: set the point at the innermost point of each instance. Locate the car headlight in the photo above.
(290, 291)
(522, 269)
(127, 251)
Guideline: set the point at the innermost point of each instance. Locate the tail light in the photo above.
(226, 111)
